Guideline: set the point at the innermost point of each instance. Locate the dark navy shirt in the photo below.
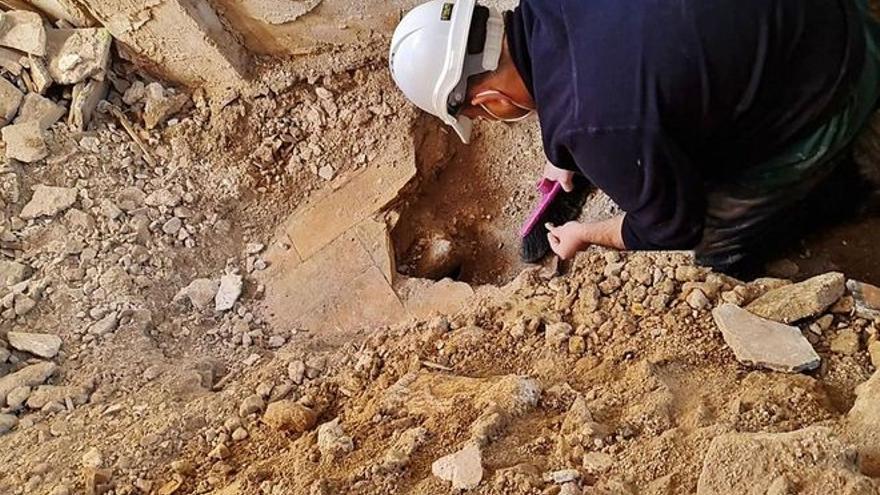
(655, 99)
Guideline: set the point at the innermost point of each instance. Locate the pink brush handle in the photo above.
(549, 189)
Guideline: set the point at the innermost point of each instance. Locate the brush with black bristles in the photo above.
(557, 207)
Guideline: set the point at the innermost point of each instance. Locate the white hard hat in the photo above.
(435, 50)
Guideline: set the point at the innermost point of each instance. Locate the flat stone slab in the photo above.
(39, 344)
(763, 343)
(795, 302)
(48, 201)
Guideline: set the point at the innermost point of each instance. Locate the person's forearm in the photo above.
(607, 233)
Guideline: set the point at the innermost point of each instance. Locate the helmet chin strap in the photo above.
(529, 111)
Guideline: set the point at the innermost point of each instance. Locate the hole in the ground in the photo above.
(462, 220)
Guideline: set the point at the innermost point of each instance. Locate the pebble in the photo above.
(239, 434)
(92, 459)
(697, 300)
(200, 292)
(557, 334)
(7, 423)
(254, 248)
(332, 439)
(220, 452)
(296, 371)
(562, 476)
(253, 404)
(874, 352)
(597, 462)
(228, 292)
(172, 226)
(846, 342)
(39, 344)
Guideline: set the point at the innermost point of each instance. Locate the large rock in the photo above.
(48, 201)
(864, 425)
(464, 469)
(813, 459)
(36, 108)
(29, 376)
(288, 416)
(867, 299)
(10, 100)
(764, 343)
(13, 272)
(23, 31)
(25, 142)
(77, 54)
(803, 300)
(39, 344)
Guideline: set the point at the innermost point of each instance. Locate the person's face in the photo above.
(496, 106)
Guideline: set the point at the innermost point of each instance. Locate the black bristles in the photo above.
(565, 208)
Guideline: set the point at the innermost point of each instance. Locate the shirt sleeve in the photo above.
(650, 178)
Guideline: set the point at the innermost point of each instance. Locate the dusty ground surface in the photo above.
(608, 379)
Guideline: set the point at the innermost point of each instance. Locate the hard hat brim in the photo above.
(453, 68)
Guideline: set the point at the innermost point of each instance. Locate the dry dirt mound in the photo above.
(607, 380)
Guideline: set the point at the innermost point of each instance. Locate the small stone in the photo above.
(25, 142)
(326, 172)
(172, 226)
(763, 343)
(85, 98)
(577, 345)
(104, 325)
(697, 300)
(74, 55)
(18, 397)
(200, 292)
(286, 415)
(182, 467)
(29, 376)
(23, 305)
(161, 105)
(795, 302)
(557, 334)
(866, 298)
(689, 273)
(10, 100)
(562, 476)
(7, 423)
(163, 197)
(332, 440)
(39, 344)
(296, 370)
(597, 462)
(23, 30)
(254, 248)
(13, 273)
(135, 93)
(253, 404)
(228, 293)
(276, 341)
(40, 75)
(464, 469)
(92, 458)
(239, 434)
(36, 108)
(220, 452)
(846, 342)
(48, 201)
(874, 352)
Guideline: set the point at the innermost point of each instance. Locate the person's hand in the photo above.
(568, 240)
(564, 177)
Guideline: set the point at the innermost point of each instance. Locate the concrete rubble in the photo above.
(764, 343)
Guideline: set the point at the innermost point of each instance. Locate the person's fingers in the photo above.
(567, 184)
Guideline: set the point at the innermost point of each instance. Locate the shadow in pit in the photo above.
(462, 218)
